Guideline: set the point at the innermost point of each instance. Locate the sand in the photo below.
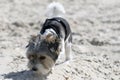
(96, 42)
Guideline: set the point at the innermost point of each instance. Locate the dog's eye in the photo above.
(31, 57)
(42, 57)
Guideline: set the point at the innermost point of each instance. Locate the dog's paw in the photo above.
(67, 62)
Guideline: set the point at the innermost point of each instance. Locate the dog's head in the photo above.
(42, 52)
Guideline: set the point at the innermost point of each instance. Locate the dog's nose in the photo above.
(34, 69)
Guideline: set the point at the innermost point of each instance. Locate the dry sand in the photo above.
(96, 39)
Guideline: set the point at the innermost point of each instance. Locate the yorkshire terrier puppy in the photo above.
(54, 37)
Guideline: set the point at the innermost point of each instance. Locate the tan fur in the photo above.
(48, 63)
(50, 38)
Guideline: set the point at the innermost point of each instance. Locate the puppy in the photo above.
(55, 37)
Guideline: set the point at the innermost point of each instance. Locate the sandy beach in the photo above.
(96, 39)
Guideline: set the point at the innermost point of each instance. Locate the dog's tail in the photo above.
(55, 9)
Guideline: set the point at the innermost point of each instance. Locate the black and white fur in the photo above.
(55, 37)
(61, 28)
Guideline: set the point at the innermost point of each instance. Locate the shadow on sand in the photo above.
(23, 75)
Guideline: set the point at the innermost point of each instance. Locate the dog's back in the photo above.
(59, 25)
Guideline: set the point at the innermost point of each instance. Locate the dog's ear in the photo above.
(33, 39)
(50, 37)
